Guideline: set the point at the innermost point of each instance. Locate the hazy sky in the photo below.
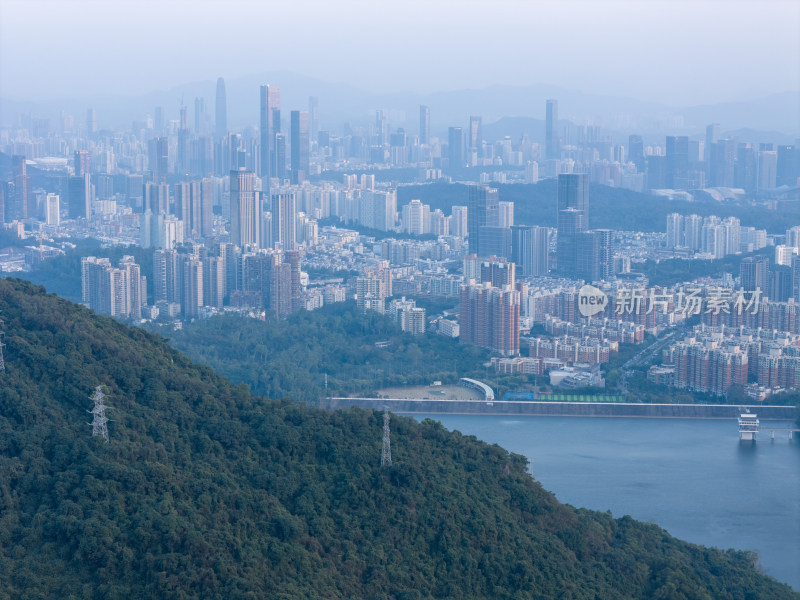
(679, 52)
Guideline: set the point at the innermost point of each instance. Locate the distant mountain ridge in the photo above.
(341, 102)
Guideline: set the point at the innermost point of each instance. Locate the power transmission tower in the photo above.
(386, 453)
(100, 422)
(2, 345)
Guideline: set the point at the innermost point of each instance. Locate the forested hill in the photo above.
(205, 491)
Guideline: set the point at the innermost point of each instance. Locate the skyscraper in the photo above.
(529, 250)
(91, 121)
(80, 197)
(245, 209)
(677, 162)
(81, 163)
(573, 218)
(221, 109)
(424, 125)
(270, 125)
(482, 210)
(300, 145)
(455, 147)
(636, 152)
(552, 140)
(21, 205)
(475, 135)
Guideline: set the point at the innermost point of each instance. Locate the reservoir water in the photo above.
(694, 478)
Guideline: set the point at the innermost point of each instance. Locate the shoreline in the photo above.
(564, 409)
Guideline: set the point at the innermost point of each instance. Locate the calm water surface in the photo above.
(694, 478)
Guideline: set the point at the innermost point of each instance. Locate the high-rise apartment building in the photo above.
(490, 318)
(245, 209)
(284, 220)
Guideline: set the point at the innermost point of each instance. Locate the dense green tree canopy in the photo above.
(207, 491)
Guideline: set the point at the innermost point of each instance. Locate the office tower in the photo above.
(677, 166)
(636, 152)
(424, 125)
(81, 163)
(221, 110)
(270, 125)
(767, 169)
(745, 171)
(158, 120)
(52, 210)
(299, 145)
(552, 139)
(529, 250)
(80, 197)
(572, 219)
(22, 203)
(595, 257)
(489, 318)
(458, 221)
(280, 156)
(455, 147)
(284, 215)
(200, 117)
(723, 158)
(712, 137)
(245, 209)
(158, 157)
(754, 273)
(475, 135)
(313, 116)
(182, 162)
(482, 210)
(494, 241)
(656, 172)
(505, 214)
(91, 121)
(787, 171)
(3, 194)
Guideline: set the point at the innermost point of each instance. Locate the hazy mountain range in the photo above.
(773, 118)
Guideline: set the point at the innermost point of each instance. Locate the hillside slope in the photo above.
(205, 491)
